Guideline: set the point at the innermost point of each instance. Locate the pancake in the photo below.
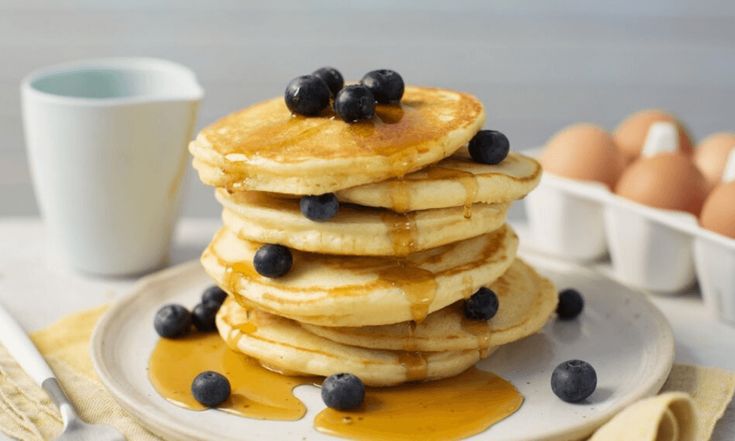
(526, 302)
(355, 230)
(284, 346)
(265, 148)
(360, 291)
(453, 182)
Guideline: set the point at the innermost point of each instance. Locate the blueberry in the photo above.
(203, 316)
(319, 208)
(214, 294)
(489, 147)
(570, 304)
(272, 260)
(482, 305)
(354, 103)
(387, 85)
(343, 391)
(574, 381)
(332, 77)
(172, 321)
(307, 95)
(210, 388)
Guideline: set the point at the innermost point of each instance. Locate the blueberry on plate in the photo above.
(343, 391)
(570, 304)
(319, 208)
(203, 316)
(172, 321)
(387, 85)
(574, 380)
(354, 103)
(482, 305)
(214, 294)
(489, 147)
(332, 77)
(272, 260)
(210, 388)
(307, 95)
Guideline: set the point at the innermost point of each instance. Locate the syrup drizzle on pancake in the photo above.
(467, 179)
(415, 365)
(480, 329)
(417, 284)
(409, 275)
(267, 130)
(400, 197)
(410, 344)
(402, 232)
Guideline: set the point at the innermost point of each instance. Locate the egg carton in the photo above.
(657, 250)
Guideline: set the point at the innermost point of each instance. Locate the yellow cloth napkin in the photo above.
(26, 413)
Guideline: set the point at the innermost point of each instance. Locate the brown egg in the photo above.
(666, 180)
(586, 152)
(718, 213)
(630, 135)
(711, 155)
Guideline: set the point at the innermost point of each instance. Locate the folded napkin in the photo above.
(691, 402)
(26, 412)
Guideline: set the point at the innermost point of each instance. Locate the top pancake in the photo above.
(265, 148)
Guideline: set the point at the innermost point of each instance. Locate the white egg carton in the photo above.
(661, 251)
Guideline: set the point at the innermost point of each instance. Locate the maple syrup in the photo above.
(418, 285)
(466, 179)
(401, 231)
(256, 391)
(452, 408)
(448, 409)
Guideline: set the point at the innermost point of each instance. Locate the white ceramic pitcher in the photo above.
(107, 145)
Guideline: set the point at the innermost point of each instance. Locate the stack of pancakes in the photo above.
(379, 289)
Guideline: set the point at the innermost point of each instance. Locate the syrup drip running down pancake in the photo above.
(284, 346)
(355, 230)
(360, 291)
(526, 301)
(265, 148)
(457, 181)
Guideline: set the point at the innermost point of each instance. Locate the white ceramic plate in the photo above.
(620, 333)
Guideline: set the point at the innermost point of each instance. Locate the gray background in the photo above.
(537, 65)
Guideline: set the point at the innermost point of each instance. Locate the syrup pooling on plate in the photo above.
(256, 391)
(452, 408)
(448, 409)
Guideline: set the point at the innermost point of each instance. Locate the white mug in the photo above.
(107, 145)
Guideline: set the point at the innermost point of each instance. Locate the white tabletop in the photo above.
(38, 293)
